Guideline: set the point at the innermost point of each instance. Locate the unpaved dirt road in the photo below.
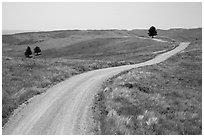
(64, 108)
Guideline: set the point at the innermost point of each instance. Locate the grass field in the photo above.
(160, 99)
(64, 54)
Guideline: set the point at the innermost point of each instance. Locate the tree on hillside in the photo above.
(37, 51)
(28, 52)
(152, 31)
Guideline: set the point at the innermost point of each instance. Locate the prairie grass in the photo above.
(71, 52)
(162, 99)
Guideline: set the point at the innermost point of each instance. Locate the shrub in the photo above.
(37, 51)
(28, 52)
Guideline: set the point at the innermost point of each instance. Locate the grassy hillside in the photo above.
(67, 43)
(177, 34)
(108, 48)
(21, 38)
(160, 99)
(64, 54)
(50, 41)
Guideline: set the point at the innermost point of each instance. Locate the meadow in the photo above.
(64, 54)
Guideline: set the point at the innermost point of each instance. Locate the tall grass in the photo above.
(160, 99)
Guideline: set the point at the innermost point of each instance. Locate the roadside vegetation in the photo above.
(162, 99)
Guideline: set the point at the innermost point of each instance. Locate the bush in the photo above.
(28, 52)
(37, 51)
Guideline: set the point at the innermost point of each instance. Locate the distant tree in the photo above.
(37, 51)
(28, 52)
(152, 31)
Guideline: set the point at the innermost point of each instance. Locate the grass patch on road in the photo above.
(160, 99)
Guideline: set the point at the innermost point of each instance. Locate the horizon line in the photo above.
(6, 31)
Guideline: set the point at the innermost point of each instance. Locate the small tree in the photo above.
(37, 51)
(152, 31)
(28, 52)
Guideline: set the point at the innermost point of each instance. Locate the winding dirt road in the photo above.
(64, 108)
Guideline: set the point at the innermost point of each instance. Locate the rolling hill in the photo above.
(69, 52)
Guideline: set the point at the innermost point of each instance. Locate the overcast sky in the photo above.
(53, 16)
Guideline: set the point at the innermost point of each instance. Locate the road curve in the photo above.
(64, 108)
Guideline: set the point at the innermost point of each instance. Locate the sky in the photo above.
(131, 15)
